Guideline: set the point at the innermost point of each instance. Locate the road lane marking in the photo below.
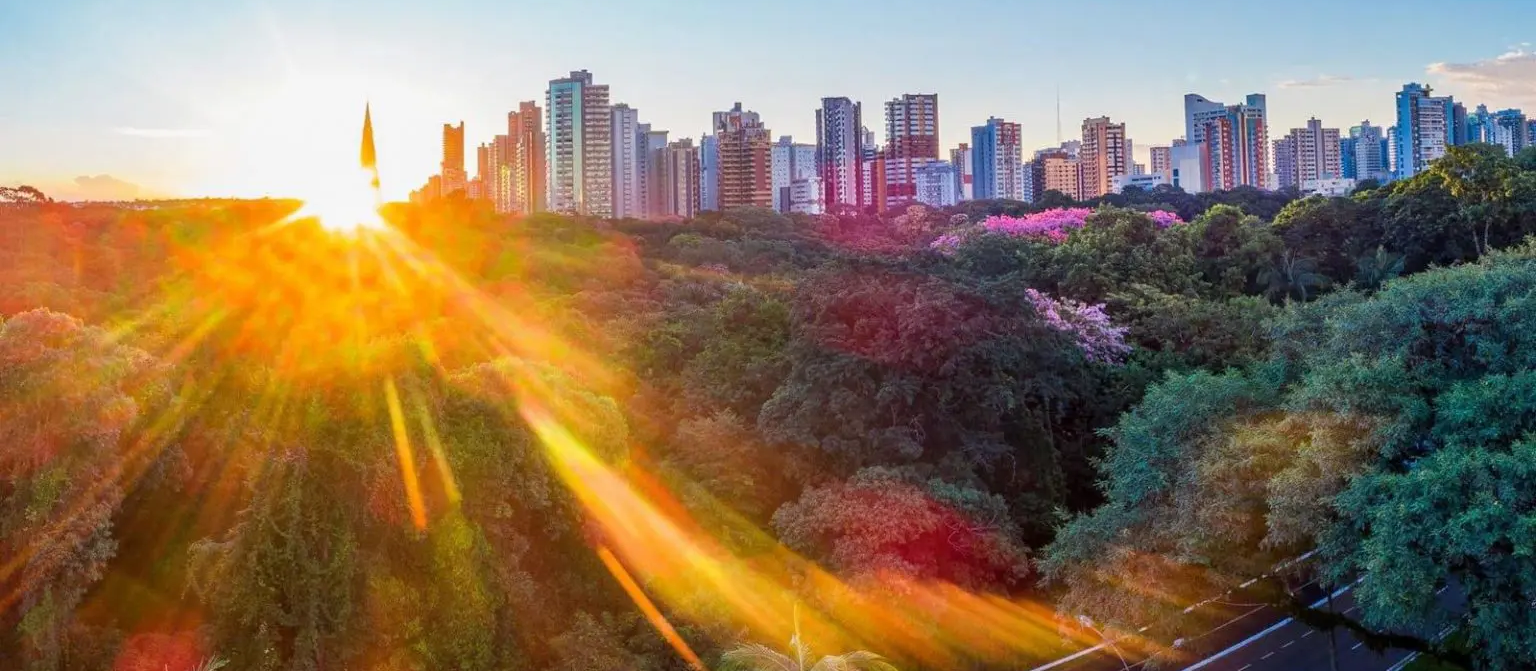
(1245, 667)
(1287, 645)
(1357, 645)
(1267, 655)
(1438, 591)
(1209, 660)
(1309, 633)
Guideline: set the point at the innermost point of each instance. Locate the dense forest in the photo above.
(476, 442)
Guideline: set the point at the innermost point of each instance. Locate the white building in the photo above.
(1145, 181)
(840, 143)
(791, 163)
(1331, 187)
(628, 191)
(805, 196)
(1187, 172)
(960, 157)
(935, 184)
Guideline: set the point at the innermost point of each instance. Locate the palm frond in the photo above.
(858, 660)
(755, 657)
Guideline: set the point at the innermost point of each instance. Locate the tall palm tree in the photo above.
(755, 657)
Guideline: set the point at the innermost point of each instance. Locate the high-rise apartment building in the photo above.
(791, 163)
(960, 157)
(1348, 167)
(1478, 126)
(709, 173)
(1425, 127)
(935, 181)
(580, 135)
(1234, 146)
(911, 141)
(498, 184)
(677, 180)
(454, 177)
(746, 159)
(1285, 163)
(996, 160)
(653, 144)
(526, 168)
(1056, 170)
(1102, 157)
(1308, 154)
(1198, 110)
(1510, 130)
(1162, 160)
(840, 153)
(628, 193)
(484, 177)
(1370, 152)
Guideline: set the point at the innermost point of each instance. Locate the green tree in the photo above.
(69, 394)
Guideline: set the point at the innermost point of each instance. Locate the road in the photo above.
(1259, 638)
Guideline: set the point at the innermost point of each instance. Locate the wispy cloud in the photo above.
(1508, 77)
(160, 133)
(1320, 81)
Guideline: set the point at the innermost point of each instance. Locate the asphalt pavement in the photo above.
(1251, 637)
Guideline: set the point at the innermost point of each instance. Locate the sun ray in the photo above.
(403, 454)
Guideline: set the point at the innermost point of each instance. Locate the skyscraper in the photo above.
(1102, 157)
(1285, 163)
(1162, 160)
(1348, 168)
(525, 186)
(935, 184)
(1510, 131)
(791, 163)
(1370, 148)
(1306, 154)
(1055, 170)
(580, 136)
(1234, 146)
(840, 152)
(911, 140)
(628, 198)
(654, 143)
(709, 172)
(678, 178)
(1198, 110)
(1425, 127)
(454, 178)
(1479, 126)
(960, 157)
(996, 159)
(499, 184)
(746, 159)
(484, 178)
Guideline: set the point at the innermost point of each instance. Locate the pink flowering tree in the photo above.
(1098, 337)
(1051, 226)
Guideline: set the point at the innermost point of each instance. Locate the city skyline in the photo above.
(216, 101)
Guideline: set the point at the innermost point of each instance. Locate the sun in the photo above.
(346, 205)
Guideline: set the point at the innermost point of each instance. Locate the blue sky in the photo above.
(245, 97)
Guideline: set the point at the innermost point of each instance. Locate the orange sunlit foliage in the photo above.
(321, 309)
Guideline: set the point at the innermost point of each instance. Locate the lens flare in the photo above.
(348, 205)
